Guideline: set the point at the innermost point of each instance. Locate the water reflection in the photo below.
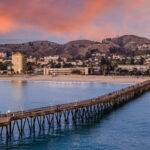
(17, 94)
(17, 89)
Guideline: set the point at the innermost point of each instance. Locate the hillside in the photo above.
(127, 41)
(126, 44)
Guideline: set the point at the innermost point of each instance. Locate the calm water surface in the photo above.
(25, 95)
(127, 128)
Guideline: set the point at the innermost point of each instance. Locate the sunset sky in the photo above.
(65, 20)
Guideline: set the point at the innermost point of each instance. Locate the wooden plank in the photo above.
(5, 121)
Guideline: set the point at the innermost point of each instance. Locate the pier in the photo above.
(45, 118)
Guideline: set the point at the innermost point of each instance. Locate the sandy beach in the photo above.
(77, 78)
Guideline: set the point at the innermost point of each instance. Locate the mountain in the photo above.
(45, 48)
(36, 48)
(127, 44)
(132, 43)
(81, 47)
(129, 39)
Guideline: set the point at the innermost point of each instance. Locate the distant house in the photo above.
(3, 55)
(141, 68)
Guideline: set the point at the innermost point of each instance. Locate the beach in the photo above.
(77, 78)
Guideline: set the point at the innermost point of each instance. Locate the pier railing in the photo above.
(30, 121)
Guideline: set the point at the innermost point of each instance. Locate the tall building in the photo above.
(18, 62)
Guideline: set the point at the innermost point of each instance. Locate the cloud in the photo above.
(73, 18)
(51, 15)
(5, 24)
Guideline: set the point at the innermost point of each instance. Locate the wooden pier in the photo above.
(31, 121)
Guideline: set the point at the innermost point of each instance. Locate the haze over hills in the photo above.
(127, 44)
(12, 41)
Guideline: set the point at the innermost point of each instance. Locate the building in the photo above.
(141, 68)
(66, 71)
(18, 62)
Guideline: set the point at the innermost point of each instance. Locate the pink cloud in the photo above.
(71, 17)
(51, 15)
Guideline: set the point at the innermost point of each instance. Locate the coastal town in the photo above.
(93, 63)
(74, 75)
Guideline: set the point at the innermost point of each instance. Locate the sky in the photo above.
(65, 20)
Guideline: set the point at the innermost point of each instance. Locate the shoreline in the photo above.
(77, 78)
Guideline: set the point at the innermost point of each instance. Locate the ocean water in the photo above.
(16, 96)
(127, 128)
